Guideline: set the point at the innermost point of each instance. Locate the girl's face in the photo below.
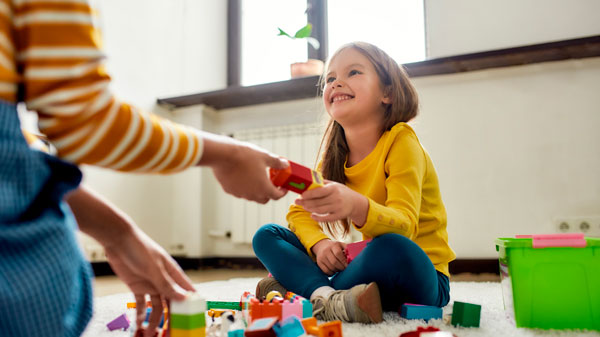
(353, 92)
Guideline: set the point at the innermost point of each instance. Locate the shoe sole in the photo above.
(370, 303)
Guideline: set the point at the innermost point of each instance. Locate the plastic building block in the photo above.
(162, 317)
(417, 311)
(187, 318)
(331, 329)
(262, 327)
(417, 333)
(200, 332)
(264, 309)
(307, 308)
(466, 314)
(223, 305)
(235, 333)
(193, 304)
(310, 326)
(121, 322)
(289, 327)
(296, 178)
(188, 322)
(353, 249)
(291, 308)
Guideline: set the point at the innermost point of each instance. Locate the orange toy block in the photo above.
(331, 329)
(264, 309)
(296, 178)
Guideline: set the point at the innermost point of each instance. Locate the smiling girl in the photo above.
(382, 182)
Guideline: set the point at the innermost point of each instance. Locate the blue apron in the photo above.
(45, 282)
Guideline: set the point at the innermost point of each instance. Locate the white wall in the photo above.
(514, 147)
(466, 26)
(159, 49)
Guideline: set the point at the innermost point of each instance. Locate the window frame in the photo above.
(316, 15)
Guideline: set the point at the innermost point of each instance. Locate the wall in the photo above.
(466, 26)
(514, 148)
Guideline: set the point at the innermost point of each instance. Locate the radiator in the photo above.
(299, 143)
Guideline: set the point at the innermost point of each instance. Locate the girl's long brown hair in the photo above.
(404, 106)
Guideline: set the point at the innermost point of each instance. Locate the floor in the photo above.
(108, 285)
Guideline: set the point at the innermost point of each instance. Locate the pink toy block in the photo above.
(291, 309)
(121, 322)
(353, 249)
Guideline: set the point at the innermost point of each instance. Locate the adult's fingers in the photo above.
(155, 315)
(140, 309)
(179, 276)
(276, 162)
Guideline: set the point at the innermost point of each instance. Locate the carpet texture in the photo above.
(489, 295)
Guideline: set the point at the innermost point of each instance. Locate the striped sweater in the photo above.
(50, 58)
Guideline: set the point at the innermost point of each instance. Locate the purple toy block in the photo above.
(121, 322)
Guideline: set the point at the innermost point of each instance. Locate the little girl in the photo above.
(379, 180)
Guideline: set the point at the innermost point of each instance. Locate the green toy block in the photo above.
(187, 322)
(223, 305)
(466, 314)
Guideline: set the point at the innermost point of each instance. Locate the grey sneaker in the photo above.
(359, 304)
(267, 285)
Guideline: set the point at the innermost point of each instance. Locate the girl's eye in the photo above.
(330, 79)
(353, 72)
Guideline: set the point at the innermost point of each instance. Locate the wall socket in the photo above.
(588, 225)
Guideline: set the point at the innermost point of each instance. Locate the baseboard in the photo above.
(474, 266)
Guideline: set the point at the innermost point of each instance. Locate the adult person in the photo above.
(50, 59)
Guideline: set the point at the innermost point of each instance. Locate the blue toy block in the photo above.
(236, 333)
(307, 308)
(162, 318)
(289, 327)
(424, 312)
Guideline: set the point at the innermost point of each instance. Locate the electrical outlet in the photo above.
(588, 225)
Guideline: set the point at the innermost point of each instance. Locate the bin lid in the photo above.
(544, 241)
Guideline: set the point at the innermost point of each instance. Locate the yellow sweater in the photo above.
(401, 184)
(50, 58)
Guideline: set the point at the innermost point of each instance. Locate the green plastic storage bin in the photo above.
(551, 288)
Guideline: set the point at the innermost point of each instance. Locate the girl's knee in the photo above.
(264, 235)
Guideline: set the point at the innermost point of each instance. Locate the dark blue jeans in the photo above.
(401, 269)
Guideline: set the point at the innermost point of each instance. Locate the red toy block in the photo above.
(296, 178)
(353, 249)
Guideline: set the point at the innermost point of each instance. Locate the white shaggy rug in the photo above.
(489, 295)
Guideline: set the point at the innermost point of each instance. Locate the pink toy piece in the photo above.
(289, 308)
(353, 249)
(121, 322)
(575, 240)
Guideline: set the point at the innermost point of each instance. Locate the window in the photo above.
(395, 26)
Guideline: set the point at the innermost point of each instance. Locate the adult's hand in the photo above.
(136, 259)
(242, 168)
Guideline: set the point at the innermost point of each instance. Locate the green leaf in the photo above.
(282, 33)
(304, 32)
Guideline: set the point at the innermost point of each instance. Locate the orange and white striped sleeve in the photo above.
(65, 82)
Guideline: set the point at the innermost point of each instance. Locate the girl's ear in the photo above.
(387, 95)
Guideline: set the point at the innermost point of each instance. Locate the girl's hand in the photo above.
(333, 202)
(330, 256)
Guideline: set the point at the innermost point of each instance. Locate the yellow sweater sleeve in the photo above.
(405, 169)
(308, 231)
(60, 66)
